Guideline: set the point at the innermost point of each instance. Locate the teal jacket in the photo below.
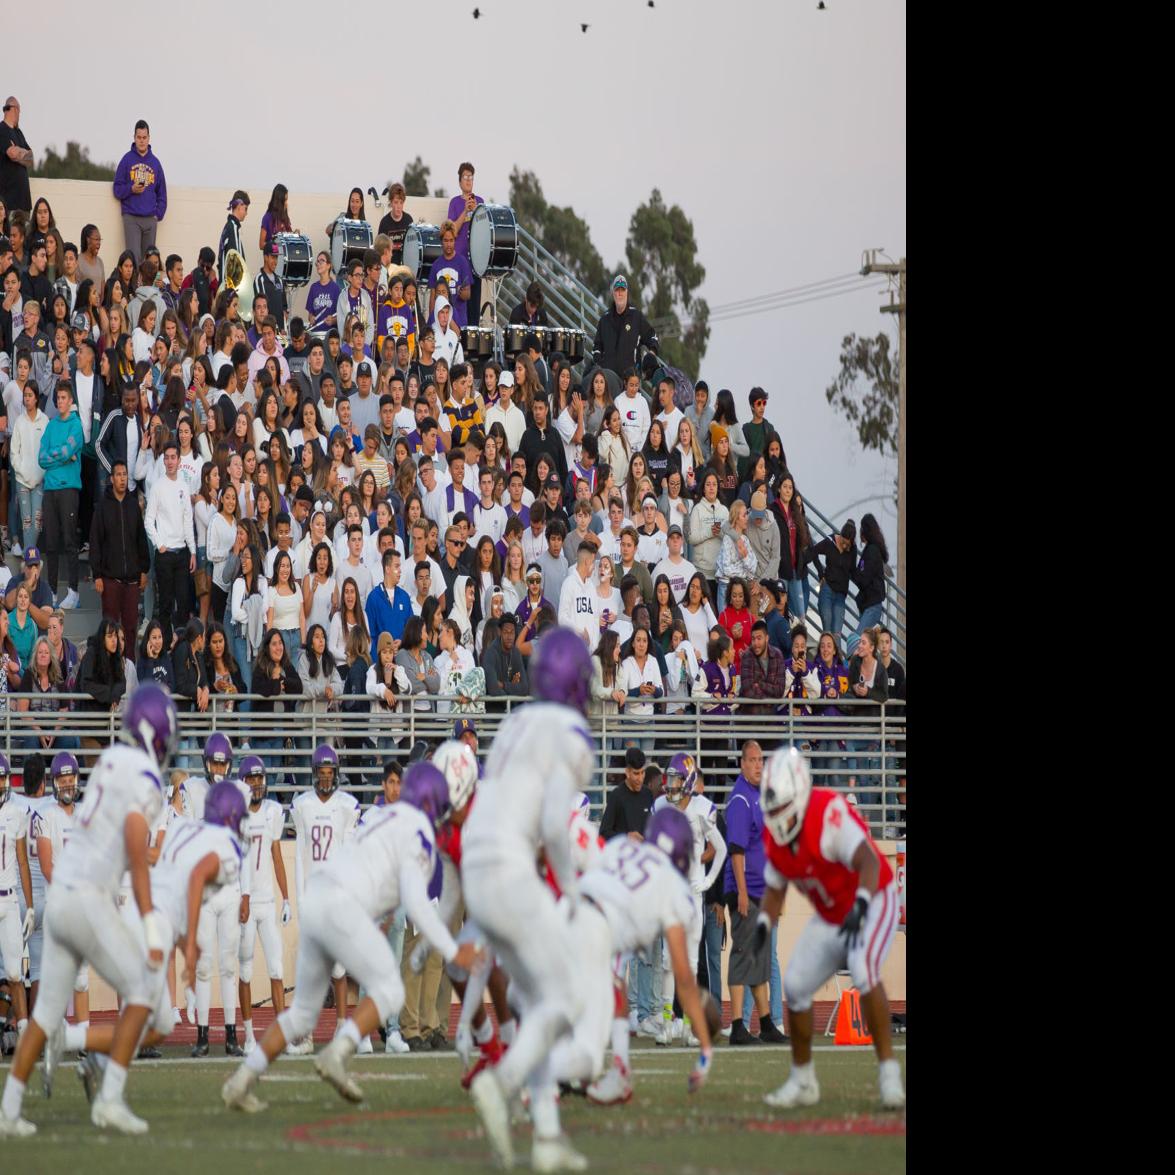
(61, 449)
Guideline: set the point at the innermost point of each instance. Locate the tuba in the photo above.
(236, 277)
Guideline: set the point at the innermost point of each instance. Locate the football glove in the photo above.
(700, 1072)
(286, 915)
(855, 919)
(464, 1043)
(30, 920)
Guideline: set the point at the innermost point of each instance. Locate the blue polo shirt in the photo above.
(386, 614)
(744, 829)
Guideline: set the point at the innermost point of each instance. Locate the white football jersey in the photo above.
(702, 816)
(125, 780)
(14, 825)
(264, 827)
(539, 747)
(188, 843)
(321, 828)
(639, 892)
(194, 791)
(54, 823)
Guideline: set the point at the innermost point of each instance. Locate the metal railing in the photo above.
(862, 754)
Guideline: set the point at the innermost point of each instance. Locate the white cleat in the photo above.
(116, 1115)
(490, 1103)
(794, 1092)
(54, 1043)
(556, 1154)
(250, 1044)
(611, 1089)
(329, 1066)
(395, 1044)
(365, 1047)
(650, 1027)
(16, 1127)
(893, 1096)
(237, 1092)
(90, 1074)
(300, 1048)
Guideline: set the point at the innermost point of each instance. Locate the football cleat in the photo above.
(237, 1092)
(614, 1088)
(54, 1043)
(300, 1048)
(365, 1047)
(490, 1103)
(795, 1091)
(116, 1115)
(329, 1066)
(395, 1043)
(556, 1154)
(16, 1127)
(893, 1096)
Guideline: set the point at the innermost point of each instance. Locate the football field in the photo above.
(417, 1118)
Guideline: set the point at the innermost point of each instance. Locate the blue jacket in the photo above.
(152, 200)
(60, 455)
(384, 615)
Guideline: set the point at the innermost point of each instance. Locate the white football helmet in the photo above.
(784, 794)
(457, 762)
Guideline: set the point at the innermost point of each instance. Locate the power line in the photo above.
(785, 305)
(828, 281)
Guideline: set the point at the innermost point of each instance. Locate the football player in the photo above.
(264, 836)
(219, 932)
(123, 797)
(324, 818)
(816, 841)
(542, 754)
(14, 875)
(52, 826)
(388, 864)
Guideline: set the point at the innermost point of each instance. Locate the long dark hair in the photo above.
(263, 662)
(230, 662)
(604, 651)
(152, 625)
(871, 533)
(724, 412)
(278, 209)
(313, 666)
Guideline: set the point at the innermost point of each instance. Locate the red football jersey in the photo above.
(818, 860)
(449, 836)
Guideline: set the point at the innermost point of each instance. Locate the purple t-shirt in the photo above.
(272, 227)
(321, 301)
(456, 207)
(744, 827)
(457, 273)
(524, 611)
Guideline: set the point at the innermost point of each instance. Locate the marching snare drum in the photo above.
(513, 336)
(556, 339)
(477, 342)
(350, 240)
(422, 246)
(574, 350)
(295, 259)
(493, 240)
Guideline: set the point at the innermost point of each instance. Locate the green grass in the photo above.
(416, 1118)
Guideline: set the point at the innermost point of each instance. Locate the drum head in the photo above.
(481, 240)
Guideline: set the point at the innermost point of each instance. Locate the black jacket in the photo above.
(518, 316)
(547, 441)
(230, 238)
(500, 668)
(118, 538)
(264, 684)
(617, 338)
(274, 292)
(869, 576)
(837, 569)
(111, 443)
(188, 668)
(626, 811)
(104, 682)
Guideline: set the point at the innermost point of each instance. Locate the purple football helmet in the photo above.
(64, 773)
(253, 776)
(561, 669)
(218, 757)
(151, 723)
(680, 777)
(670, 831)
(325, 759)
(426, 788)
(225, 806)
(5, 779)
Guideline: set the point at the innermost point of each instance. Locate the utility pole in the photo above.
(869, 265)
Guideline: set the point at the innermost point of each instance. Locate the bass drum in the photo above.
(422, 246)
(350, 240)
(493, 240)
(295, 259)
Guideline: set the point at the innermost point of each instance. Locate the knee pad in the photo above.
(796, 1000)
(204, 968)
(82, 982)
(275, 971)
(228, 962)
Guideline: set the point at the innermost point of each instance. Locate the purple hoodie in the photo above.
(152, 200)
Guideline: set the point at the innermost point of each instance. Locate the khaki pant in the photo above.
(427, 995)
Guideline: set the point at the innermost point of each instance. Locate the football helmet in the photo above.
(325, 768)
(669, 829)
(680, 777)
(225, 806)
(426, 788)
(457, 762)
(218, 757)
(63, 771)
(150, 723)
(784, 794)
(253, 777)
(5, 779)
(561, 669)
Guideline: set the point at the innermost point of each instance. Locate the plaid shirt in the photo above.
(755, 683)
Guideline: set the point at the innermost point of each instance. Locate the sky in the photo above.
(778, 128)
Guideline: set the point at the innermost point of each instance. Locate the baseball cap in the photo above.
(464, 726)
(774, 587)
(364, 368)
(675, 529)
(552, 481)
(32, 555)
(506, 379)
(759, 502)
(79, 321)
(620, 282)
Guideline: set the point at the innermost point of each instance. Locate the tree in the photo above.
(560, 230)
(663, 273)
(871, 409)
(75, 164)
(416, 176)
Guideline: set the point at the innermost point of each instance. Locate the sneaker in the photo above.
(16, 1127)
(439, 1041)
(490, 1103)
(650, 1027)
(676, 1029)
(556, 1154)
(741, 1035)
(727, 1031)
(893, 1096)
(237, 1092)
(116, 1115)
(365, 1047)
(149, 1053)
(329, 1066)
(300, 1048)
(612, 1089)
(90, 1075)
(396, 1043)
(418, 1044)
(633, 1022)
(795, 1091)
(54, 1043)
(70, 600)
(770, 1034)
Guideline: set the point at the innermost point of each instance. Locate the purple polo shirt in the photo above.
(744, 828)
(456, 207)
